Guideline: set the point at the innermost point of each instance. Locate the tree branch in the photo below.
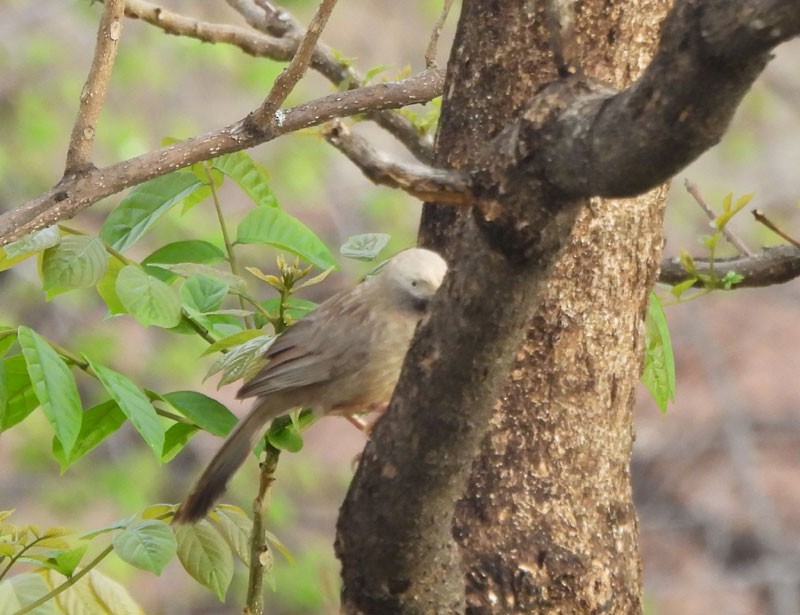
(776, 265)
(279, 22)
(250, 42)
(94, 90)
(624, 143)
(75, 193)
(279, 42)
(422, 182)
(288, 79)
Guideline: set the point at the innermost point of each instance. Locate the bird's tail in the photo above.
(233, 453)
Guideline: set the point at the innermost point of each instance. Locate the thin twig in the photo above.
(248, 41)
(258, 544)
(422, 182)
(94, 90)
(430, 53)
(737, 243)
(289, 77)
(760, 217)
(274, 20)
(278, 22)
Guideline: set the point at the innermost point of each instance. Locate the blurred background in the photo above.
(717, 478)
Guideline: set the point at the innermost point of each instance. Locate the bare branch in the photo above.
(75, 193)
(288, 79)
(248, 41)
(760, 217)
(424, 183)
(283, 33)
(279, 22)
(430, 53)
(94, 90)
(776, 265)
(737, 243)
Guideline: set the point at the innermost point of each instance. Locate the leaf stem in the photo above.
(68, 583)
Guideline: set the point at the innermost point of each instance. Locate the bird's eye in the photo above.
(414, 283)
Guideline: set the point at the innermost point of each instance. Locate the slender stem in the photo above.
(286, 81)
(760, 217)
(22, 552)
(430, 53)
(229, 247)
(258, 543)
(94, 90)
(68, 583)
(737, 243)
(198, 328)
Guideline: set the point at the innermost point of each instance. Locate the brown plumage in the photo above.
(343, 358)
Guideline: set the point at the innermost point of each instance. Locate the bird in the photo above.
(343, 358)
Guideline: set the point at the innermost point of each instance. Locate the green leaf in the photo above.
(23, 589)
(149, 545)
(729, 211)
(54, 386)
(144, 205)
(235, 528)
(205, 556)
(202, 410)
(286, 438)
(275, 227)
(134, 403)
(21, 398)
(364, 247)
(188, 270)
(119, 524)
(95, 594)
(682, 287)
(204, 294)
(29, 245)
(67, 561)
(107, 287)
(77, 262)
(232, 340)
(8, 335)
(687, 262)
(242, 361)
(150, 301)
(175, 438)
(191, 251)
(251, 176)
(730, 279)
(98, 423)
(659, 364)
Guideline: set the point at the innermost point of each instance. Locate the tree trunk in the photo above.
(546, 522)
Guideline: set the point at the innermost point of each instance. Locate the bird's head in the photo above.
(412, 277)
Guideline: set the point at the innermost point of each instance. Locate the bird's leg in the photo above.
(366, 426)
(358, 423)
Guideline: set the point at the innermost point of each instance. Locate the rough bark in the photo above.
(547, 524)
(516, 398)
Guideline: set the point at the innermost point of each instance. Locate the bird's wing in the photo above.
(314, 349)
